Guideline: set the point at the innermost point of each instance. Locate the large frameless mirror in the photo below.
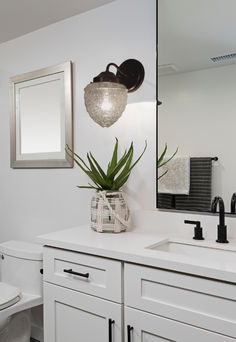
(196, 85)
(41, 118)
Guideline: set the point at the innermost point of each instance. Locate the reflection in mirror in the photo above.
(197, 113)
(41, 121)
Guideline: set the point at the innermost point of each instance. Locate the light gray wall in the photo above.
(34, 202)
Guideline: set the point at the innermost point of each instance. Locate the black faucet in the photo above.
(197, 229)
(221, 228)
(233, 203)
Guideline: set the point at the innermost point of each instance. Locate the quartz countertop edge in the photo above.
(132, 247)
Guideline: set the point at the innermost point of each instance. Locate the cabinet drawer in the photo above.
(197, 301)
(89, 274)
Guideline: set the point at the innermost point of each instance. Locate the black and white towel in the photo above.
(199, 198)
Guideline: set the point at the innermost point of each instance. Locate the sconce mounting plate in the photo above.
(131, 74)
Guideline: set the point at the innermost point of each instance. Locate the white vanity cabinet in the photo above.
(100, 277)
(71, 316)
(200, 302)
(82, 298)
(145, 327)
(97, 299)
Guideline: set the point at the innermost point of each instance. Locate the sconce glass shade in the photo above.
(105, 101)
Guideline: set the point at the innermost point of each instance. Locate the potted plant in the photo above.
(109, 210)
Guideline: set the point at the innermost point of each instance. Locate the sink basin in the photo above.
(206, 253)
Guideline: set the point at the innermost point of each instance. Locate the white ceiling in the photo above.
(18, 17)
(192, 31)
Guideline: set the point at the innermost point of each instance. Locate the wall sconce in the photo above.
(106, 97)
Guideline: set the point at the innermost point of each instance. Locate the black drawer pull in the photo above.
(129, 329)
(70, 271)
(111, 321)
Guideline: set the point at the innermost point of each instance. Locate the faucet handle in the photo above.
(197, 229)
(233, 203)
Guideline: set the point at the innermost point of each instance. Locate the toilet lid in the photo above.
(9, 295)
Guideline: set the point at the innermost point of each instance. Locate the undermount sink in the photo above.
(209, 254)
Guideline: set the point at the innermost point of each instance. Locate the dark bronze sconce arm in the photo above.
(130, 73)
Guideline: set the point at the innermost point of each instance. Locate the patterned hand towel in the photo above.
(177, 179)
(200, 195)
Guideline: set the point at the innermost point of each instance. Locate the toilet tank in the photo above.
(20, 265)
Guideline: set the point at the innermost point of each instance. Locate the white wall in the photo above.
(198, 115)
(37, 201)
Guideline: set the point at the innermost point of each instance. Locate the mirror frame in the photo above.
(67, 162)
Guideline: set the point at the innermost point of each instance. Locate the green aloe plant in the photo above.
(118, 171)
(161, 161)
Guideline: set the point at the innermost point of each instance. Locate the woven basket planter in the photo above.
(109, 212)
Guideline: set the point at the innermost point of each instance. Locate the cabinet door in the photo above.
(71, 316)
(145, 327)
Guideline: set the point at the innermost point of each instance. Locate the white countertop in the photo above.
(132, 247)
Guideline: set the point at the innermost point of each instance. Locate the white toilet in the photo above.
(20, 288)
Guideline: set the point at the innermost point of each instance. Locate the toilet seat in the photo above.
(9, 295)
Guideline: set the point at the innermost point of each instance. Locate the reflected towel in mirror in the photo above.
(200, 195)
(177, 179)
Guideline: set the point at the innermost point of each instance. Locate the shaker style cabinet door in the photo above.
(71, 316)
(144, 327)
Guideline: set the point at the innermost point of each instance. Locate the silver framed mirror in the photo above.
(41, 119)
